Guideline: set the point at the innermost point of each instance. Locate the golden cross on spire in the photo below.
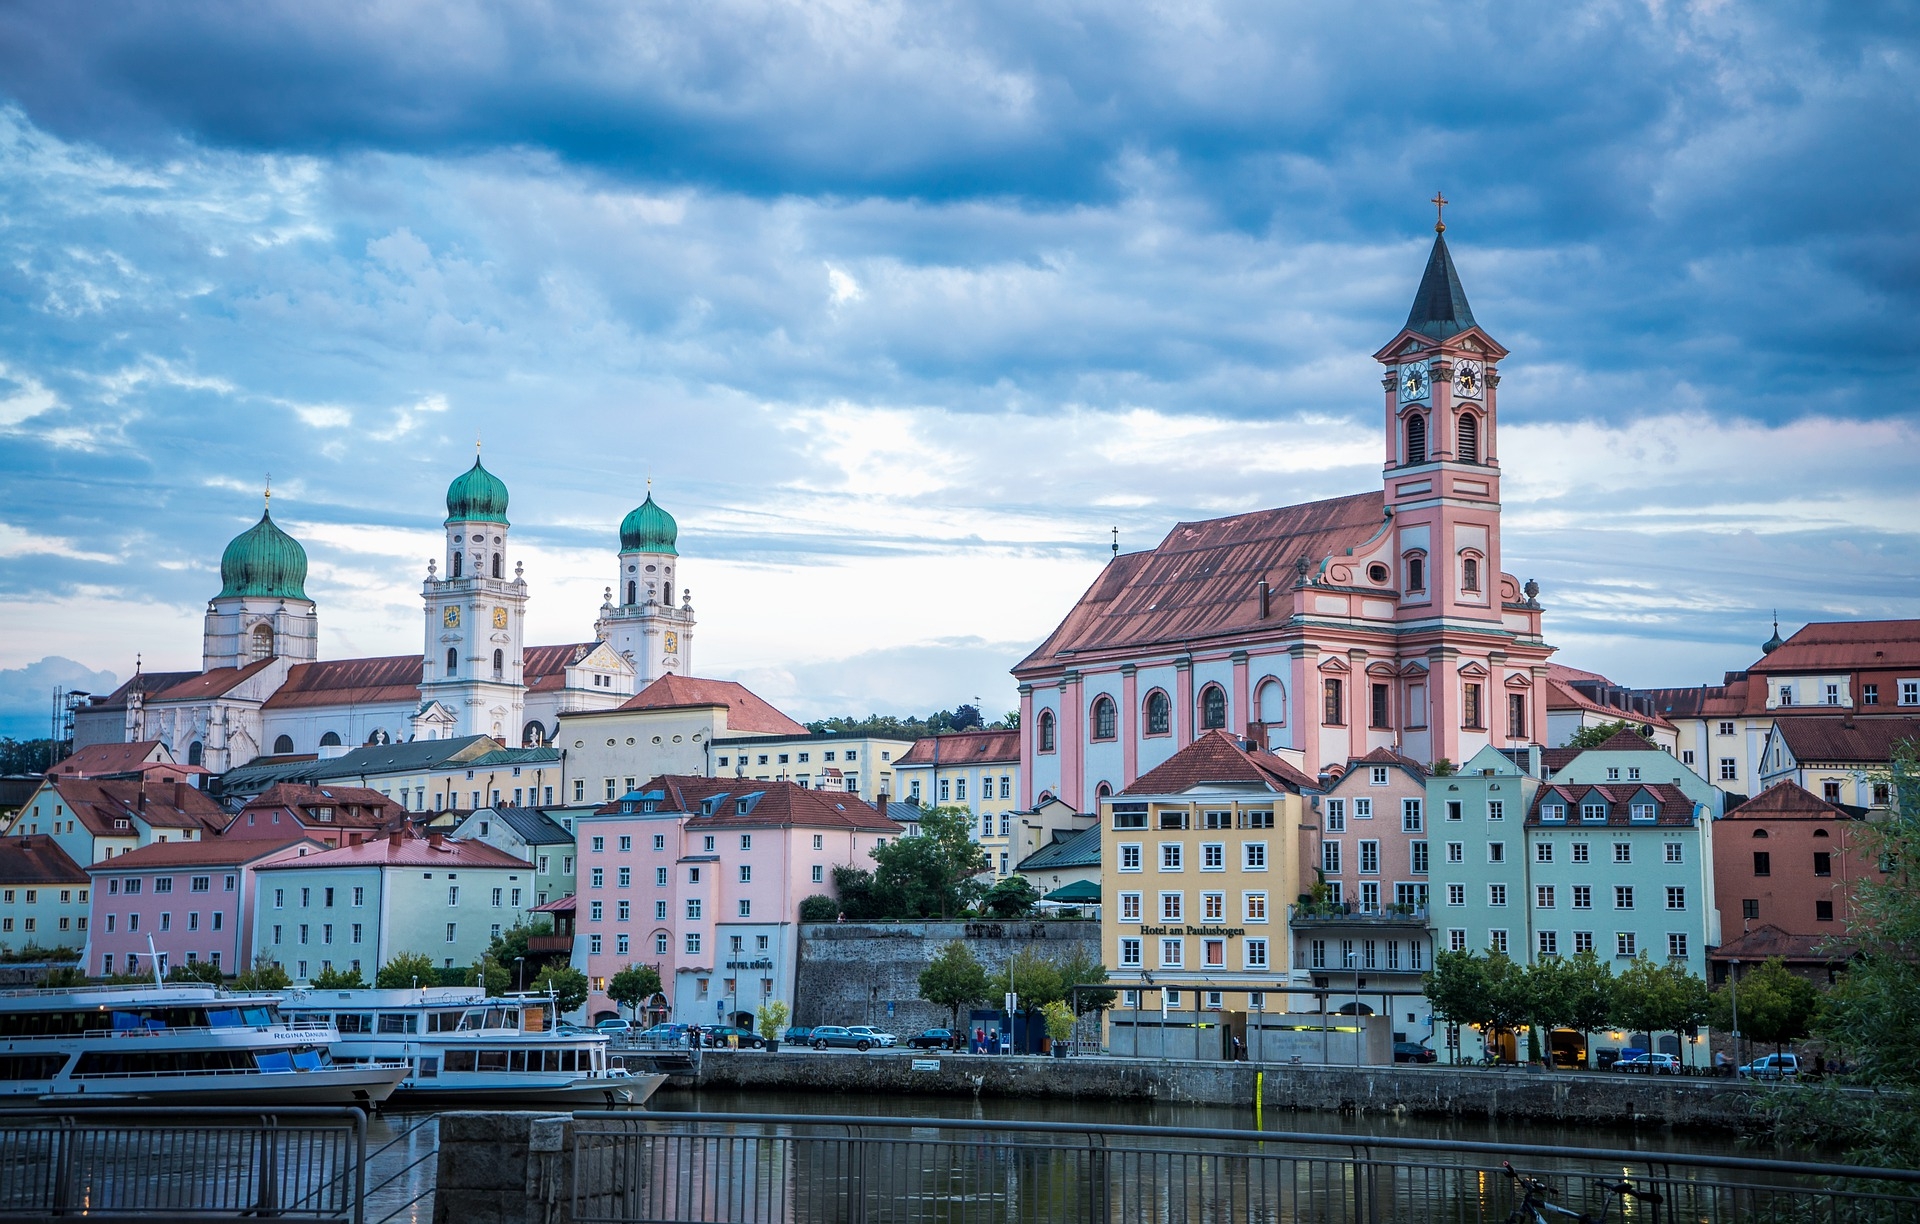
(266, 501)
(1439, 203)
(476, 444)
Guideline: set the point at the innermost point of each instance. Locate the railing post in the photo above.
(267, 1202)
(857, 1182)
(61, 1166)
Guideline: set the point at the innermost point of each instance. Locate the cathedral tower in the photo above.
(262, 610)
(476, 615)
(640, 618)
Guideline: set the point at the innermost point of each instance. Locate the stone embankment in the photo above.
(1504, 1095)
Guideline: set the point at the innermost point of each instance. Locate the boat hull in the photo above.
(625, 1092)
(365, 1086)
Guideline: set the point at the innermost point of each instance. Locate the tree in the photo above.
(633, 986)
(818, 908)
(197, 971)
(511, 944)
(932, 875)
(772, 1017)
(63, 977)
(406, 970)
(567, 984)
(338, 979)
(490, 975)
(1013, 897)
(1776, 1004)
(1589, 993)
(854, 888)
(26, 756)
(1078, 968)
(1033, 976)
(953, 979)
(1594, 736)
(1489, 991)
(266, 974)
(1650, 998)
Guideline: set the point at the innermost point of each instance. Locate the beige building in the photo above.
(859, 764)
(980, 771)
(667, 728)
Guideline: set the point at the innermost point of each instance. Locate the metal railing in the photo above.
(800, 1169)
(176, 1162)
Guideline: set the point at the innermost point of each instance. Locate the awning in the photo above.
(1081, 892)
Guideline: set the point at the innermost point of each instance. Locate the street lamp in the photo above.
(520, 972)
(1733, 997)
(1358, 1032)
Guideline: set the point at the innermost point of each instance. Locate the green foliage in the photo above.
(406, 970)
(819, 908)
(1079, 968)
(1594, 736)
(568, 985)
(887, 726)
(511, 944)
(854, 887)
(338, 979)
(633, 986)
(1443, 768)
(1650, 998)
(1776, 1004)
(265, 974)
(63, 977)
(198, 971)
(1013, 897)
(1059, 1020)
(490, 975)
(1491, 991)
(772, 1019)
(1030, 974)
(929, 876)
(26, 756)
(953, 979)
(32, 954)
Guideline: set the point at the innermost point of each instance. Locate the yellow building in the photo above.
(1201, 858)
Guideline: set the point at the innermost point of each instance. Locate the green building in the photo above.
(530, 834)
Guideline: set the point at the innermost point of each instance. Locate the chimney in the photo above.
(1265, 592)
(433, 838)
(354, 837)
(394, 839)
(880, 802)
(180, 795)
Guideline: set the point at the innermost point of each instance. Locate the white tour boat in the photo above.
(464, 1049)
(187, 1044)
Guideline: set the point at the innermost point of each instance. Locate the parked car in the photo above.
(1649, 1064)
(664, 1034)
(1412, 1052)
(834, 1036)
(1772, 1066)
(614, 1028)
(799, 1034)
(872, 1034)
(934, 1039)
(720, 1036)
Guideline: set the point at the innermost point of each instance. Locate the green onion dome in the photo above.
(477, 495)
(649, 529)
(264, 560)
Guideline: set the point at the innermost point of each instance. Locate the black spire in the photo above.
(1440, 307)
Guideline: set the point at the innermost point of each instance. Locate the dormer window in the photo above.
(1643, 811)
(743, 806)
(324, 813)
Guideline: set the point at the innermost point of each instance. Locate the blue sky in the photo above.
(903, 306)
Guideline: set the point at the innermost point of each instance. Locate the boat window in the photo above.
(444, 1022)
(399, 1022)
(461, 1060)
(258, 1017)
(30, 1066)
(493, 1060)
(352, 1022)
(223, 1017)
(126, 1022)
(307, 1060)
(429, 1068)
(519, 1060)
(473, 1021)
(275, 1060)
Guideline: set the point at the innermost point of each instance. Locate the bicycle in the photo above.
(1534, 1208)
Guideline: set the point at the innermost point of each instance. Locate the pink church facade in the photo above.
(1322, 631)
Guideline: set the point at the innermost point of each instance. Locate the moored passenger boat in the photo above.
(174, 1044)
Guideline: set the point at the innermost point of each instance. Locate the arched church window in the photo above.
(1159, 713)
(1106, 719)
(1416, 572)
(499, 664)
(457, 558)
(633, 591)
(453, 661)
(1469, 573)
(1102, 791)
(260, 642)
(1271, 702)
(496, 566)
(282, 745)
(196, 753)
(1045, 733)
(1213, 708)
(1416, 438)
(330, 740)
(668, 590)
(1469, 438)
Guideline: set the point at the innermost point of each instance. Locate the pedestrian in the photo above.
(1720, 1061)
(979, 1039)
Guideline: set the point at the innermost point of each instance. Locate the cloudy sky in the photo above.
(903, 306)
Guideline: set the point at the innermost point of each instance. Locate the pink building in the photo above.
(1325, 630)
(702, 878)
(195, 899)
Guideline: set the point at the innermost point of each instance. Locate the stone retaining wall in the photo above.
(1578, 1098)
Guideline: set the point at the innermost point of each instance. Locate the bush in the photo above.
(338, 979)
(818, 908)
(406, 970)
(567, 984)
(197, 971)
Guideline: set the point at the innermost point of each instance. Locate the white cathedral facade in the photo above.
(263, 690)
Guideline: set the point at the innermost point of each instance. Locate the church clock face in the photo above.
(673, 643)
(499, 618)
(1413, 382)
(451, 618)
(1467, 379)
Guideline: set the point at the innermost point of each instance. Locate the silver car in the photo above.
(872, 1034)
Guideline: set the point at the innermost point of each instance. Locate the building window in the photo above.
(1106, 718)
(1830, 791)
(1333, 708)
(1623, 896)
(1045, 734)
(1729, 770)
(1213, 708)
(1822, 863)
(1583, 896)
(1416, 438)
(1330, 857)
(1543, 896)
(1470, 574)
(1623, 852)
(1750, 909)
(1543, 852)
(1676, 852)
(1496, 894)
(1412, 818)
(1172, 953)
(1677, 946)
(1416, 575)
(1517, 716)
(1170, 856)
(1213, 857)
(1256, 856)
(1549, 943)
(1762, 863)
(1129, 907)
(1129, 953)
(1471, 712)
(1130, 857)
(1676, 897)
(1379, 711)
(1625, 944)
(1823, 911)
(1369, 857)
(1336, 815)
(1497, 941)
(1456, 894)
(1469, 451)
(1417, 857)
(1255, 905)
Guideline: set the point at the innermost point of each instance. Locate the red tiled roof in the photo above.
(1553, 760)
(391, 678)
(1561, 695)
(202, 685)
(410, 852)
(144, 683)
(354, 807)
(1833, 646)
(1767, 941)
(37, 859)
(1672, 806)
(746, 711)
(97, 759)
(545, 667)
(1831, 740)
(1217, 757)
(1387, 756)
(1787, 800)
(963, 748)
(1201, 580)
(99, 803)
(209, 852)
(563, 905)
(1702, 701)
(780, 804)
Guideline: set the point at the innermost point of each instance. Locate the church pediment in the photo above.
(1334, 665)
(1473, 670)
(1519, 680)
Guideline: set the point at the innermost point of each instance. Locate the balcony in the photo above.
(1301, 917)
(549, 943)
